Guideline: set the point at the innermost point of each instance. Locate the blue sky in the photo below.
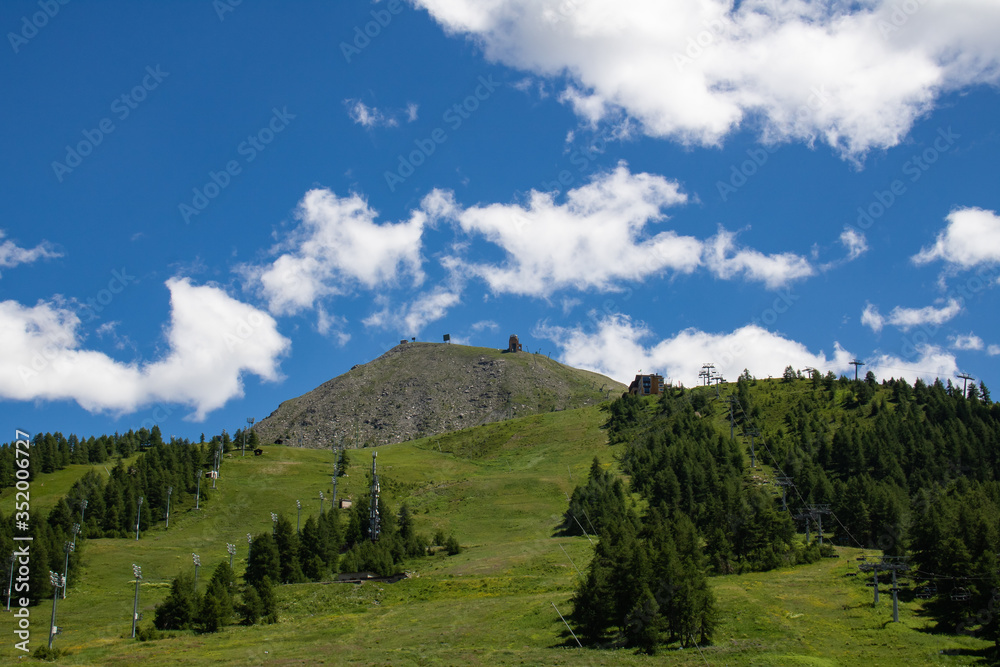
(211, 207)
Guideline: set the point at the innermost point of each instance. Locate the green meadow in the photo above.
(501, 490)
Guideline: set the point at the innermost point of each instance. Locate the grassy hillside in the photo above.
(500, 488)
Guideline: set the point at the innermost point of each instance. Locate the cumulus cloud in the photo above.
(971, 238)
(855, 243)
(967, 342)
(213, 340)
(412, 317)
(370, 117)
(429, 307)
(336, 246)
(590, 241)
(993, 350)
(484, 325)
(908, 318)
(599, 236)
(614, 345)
(854, 75)
(367, 116)
(726, 261)
(12, 255)
(870, 317)
(928, 363)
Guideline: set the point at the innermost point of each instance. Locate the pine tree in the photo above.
(252, 608)
(288, 551)
(263, 560)
(268, 600)
(179, 609)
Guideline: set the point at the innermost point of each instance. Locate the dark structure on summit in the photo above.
(646, 385)
(513, 345)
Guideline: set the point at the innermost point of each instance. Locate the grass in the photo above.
(500, 488)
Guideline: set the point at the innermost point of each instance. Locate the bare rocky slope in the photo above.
(421, 389)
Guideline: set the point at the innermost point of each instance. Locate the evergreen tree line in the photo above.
(185, 609)
(48, 553)
(112, 498)
(54, 451)
(646, 583)
(912, 470)
(285, 556)
(678, 458)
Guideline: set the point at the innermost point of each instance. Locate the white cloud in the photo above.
(930, 363)
(367, 116)
(855, 75)
(429, 307)
(411, 318)
(855, 243)
(12, 255)
(993, 350)
(338, 244)
(615, 348)
(591, 241)
(971, 238)
(569, 303)
(213, 340)
(872, 318)
(908, 318)
(332, 326)
(485, 325)
(411, 112)
(967, 342)
(773, 270)
(598, 237)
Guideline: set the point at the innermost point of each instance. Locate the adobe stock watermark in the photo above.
(120, 279)
(583, 157)
(899, 16)
(21, 556)
(984, 277)
(713, 31)
(562, 11)
(248, 149)
(30, 25)
(740, 174)
(243, 330)
(914, 168)
(223, 7)
(363, 35)
(454, 116)
(122, 107)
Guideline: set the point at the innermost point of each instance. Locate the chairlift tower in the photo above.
(250, 421)
(753, 433)
(137, 572)
(892, 564)
(731, 400)
(784, 482)
(965, 377)
(817, 512)
(804, 515)
(374, 520)
(856, 363)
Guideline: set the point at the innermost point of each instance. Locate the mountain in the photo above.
(422, 389)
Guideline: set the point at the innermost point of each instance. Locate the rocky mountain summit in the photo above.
(421, 389)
